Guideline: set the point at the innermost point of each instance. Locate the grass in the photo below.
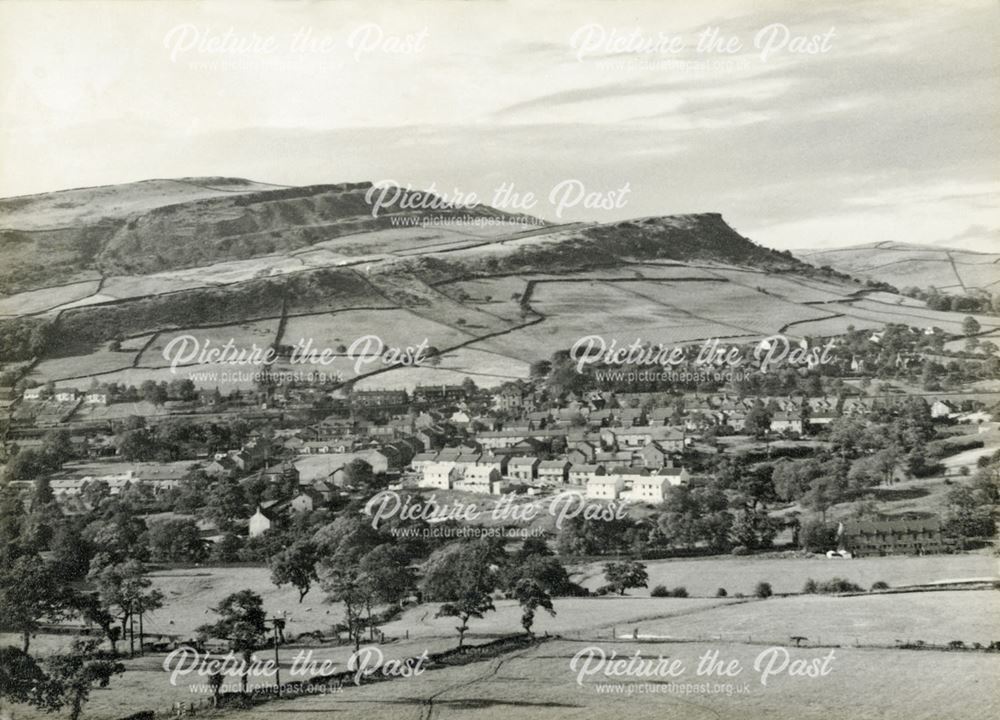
(788, 575)
(539, 682)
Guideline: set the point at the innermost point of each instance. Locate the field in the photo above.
(788, 575)
(523, 684)
(243, 335)
(539, 682)
(902, 265)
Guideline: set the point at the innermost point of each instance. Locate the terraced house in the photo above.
(895, 537)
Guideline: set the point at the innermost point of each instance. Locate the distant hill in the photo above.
(950, 270)
(99, 280)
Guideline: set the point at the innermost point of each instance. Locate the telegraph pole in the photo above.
(277, 625)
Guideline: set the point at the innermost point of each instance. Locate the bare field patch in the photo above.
(37, 301)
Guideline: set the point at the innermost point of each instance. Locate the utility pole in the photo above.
(277, 626)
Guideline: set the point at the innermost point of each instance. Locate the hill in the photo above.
(100, 280)
(903, 265)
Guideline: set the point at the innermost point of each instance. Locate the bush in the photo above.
(661, 591)
(834, 585)
(741, 550)
(721, 592)
(810, 588)
(880, 585)
(763, 590)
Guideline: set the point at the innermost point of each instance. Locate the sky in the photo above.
(806, 124)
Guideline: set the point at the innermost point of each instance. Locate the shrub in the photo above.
(721, 592)
(763, 590)
(679, 592)
(838, 585)
(741, 550)
(810, 588)
(880, 585)
(659, 591)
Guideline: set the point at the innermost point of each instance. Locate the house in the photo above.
(480, 479)
(282, 472)
(630, 417)
(652, 489)
(440, 475)
(65, 395)
(33, 393)
(556, 471)
(421, 460)
(379, 398)
(943, 409)
(605, 487)
(894, 537)
(675, 475)
(221, 467)
(260, 522)
(303, 502)
(581, 474)
(438, 394)
(511, 397)
(96, 397)
(523, 468)
(670, 439)
(653, 455)
(68, 487)
(781, 422)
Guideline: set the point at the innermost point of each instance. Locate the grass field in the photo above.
(788, 575)
(539, 682)
(904, 265)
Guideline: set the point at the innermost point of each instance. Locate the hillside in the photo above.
(228, 259)
(950, 270)
(158, 225)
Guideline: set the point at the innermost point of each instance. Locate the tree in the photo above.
(624, 575)
(763, 590)
(474, 603)
(530, 596)
(177, 540)
(343, 583)
(31, 592)
(124, 592)
(77, 672)
(296, 566)
(970, 326)
(241, 624)
(359, 474)
(758, 420)
(22, 680)
(463, 574)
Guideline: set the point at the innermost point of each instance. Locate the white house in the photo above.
(582, 474)
(64, 395)
(651, 489)
(480, 479)
(674, 475)
(942, 408)
(523, 468)
(259, 523)
(605, 487)
(33, 393)
(442, 476)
